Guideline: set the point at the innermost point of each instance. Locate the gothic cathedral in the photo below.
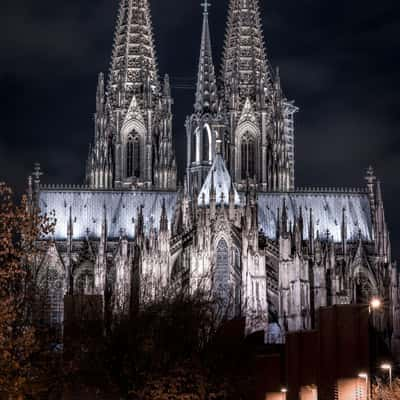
(238, 226)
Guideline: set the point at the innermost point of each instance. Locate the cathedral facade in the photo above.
(238, 226)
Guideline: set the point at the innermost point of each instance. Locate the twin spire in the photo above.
(134, 83)
(244, 65)
(244, 58)
(133, 56)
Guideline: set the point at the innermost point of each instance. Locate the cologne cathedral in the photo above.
(238, 225)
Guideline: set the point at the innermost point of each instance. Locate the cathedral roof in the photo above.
(219, 180)
(327, 210)
(121, 210)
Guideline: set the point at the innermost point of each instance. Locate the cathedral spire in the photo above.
(100, 96)
(206, 93)
(163, 218)
(244, 58)
(133, 55)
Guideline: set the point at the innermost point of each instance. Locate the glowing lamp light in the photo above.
(364, 375)
(283, 390)
(375, 303)
(388, 368)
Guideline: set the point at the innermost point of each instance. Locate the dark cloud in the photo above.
(339, 61)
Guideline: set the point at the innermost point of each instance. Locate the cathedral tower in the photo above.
(260, 119)
(203, 125)
(238, 229)
(133, 149)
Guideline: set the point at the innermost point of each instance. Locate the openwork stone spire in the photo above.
(219, 184)
(133, 57)
(206, 93)
(244, 59)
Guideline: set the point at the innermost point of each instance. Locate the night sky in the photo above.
(339, 61)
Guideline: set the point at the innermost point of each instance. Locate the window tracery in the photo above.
(206, 144)
(53, 286)
(248, 156)
(133, 157)
(221, 274)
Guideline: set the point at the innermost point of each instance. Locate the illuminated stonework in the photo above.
(238, 227)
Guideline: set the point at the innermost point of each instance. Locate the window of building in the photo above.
(55, 296)
(248, 157)
(207, 155)
(206, 145)
(133, 157)
(193, 146)
(221, 274)
(197, 137)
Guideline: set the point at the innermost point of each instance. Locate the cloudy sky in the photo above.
(339, 61)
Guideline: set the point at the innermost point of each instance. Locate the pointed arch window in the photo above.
(193, 147)
(52, 284)
(84, 283)
(207, 143)
(133, 157)
(248, 156)
(197, 144)
(221, 274)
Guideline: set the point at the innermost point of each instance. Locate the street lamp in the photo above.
(284, 391)
(375, 304)
(388, 367)
(364, 375)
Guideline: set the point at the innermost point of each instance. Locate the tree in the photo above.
(173, 348)
(383, 391)
(20, 228)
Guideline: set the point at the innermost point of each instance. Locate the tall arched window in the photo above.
(55, 296)
(221, 274)
(129, 158)
(206, 145)
(197, 137)
(248, 157)
(207, 156)
(136, 158)
(193, 146)
(133, 157)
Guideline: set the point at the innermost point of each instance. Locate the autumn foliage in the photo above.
(384, 391)
(20, 227)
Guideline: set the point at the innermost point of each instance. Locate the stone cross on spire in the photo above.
(205, 5)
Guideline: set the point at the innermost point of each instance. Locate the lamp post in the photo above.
(364, 375)
(388, 367)
(375, 304)
(284, 391)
